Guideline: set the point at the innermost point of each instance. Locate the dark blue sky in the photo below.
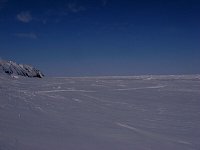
(102, 37)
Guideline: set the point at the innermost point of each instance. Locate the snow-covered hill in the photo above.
(12, 68)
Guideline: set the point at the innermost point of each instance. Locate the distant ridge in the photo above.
(14, 69)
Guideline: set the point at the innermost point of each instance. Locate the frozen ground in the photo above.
(102, 113)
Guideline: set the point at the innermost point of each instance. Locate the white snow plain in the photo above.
(100, 113)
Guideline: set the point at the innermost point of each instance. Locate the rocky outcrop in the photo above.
(12, 68)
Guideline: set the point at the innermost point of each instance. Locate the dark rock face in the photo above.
(13, 68)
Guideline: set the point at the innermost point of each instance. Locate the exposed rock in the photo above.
(13, 69)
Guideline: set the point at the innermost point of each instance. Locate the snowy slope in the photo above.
(12, 68)
(105, 113)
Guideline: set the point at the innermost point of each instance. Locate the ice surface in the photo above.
(100, 113)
